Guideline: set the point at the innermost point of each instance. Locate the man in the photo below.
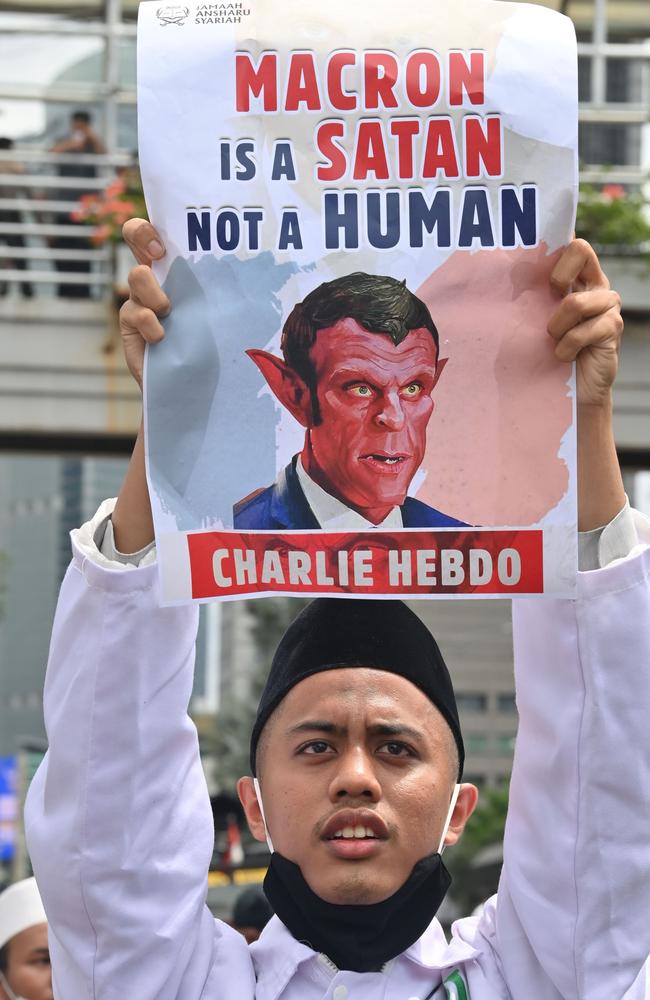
(356, 760)
(360, 363)
(12, 216)
(81, 139)
(25, 972)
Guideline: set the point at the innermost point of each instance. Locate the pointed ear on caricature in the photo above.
(285, 384)
(440, 366)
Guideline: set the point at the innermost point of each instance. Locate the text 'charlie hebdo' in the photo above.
(469, 561)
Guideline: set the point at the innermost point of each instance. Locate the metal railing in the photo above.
(44, 251)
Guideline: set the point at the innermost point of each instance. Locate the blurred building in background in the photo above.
(69, 410)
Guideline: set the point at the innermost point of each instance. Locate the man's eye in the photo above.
(396, 749)
(315, 747)
(361, 391)
(412, 391)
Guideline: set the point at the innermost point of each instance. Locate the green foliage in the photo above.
(487, 824)
(608, 217)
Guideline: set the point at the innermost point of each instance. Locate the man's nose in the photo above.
(390, 413)
(355, 777)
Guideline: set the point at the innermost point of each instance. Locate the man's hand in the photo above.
(139, 325)
(587, 328)
(139, 322)
(587, 325)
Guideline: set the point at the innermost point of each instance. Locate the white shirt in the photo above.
(333, 515)
(120, 829)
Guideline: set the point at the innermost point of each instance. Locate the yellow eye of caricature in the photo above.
(412, 390)
(362, 391)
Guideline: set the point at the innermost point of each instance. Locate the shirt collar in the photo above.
(433, 951)
(277, 956)
(333, 515)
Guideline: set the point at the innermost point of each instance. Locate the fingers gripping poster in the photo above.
(362, 204)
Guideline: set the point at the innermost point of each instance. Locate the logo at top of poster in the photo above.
(172, 15)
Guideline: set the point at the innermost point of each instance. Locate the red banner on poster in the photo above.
(230, 564)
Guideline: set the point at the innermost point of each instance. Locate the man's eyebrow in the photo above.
(396, 729)
(39, 952)
(378, 729)
(316, 726)
(371, 371)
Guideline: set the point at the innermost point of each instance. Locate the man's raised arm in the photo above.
(118, 819)
(571, 918)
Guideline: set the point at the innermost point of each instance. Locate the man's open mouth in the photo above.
(355, 824)
(384, 459)
(354, 833)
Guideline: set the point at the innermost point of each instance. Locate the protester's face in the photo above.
(79, 125)
(356, 750)
(28, 973)
(375, 403)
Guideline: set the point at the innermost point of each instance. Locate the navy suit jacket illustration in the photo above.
(283, 506)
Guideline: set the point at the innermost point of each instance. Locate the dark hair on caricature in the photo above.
(4, 959)
(378, 303)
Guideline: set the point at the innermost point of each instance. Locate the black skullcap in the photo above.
(332, 633)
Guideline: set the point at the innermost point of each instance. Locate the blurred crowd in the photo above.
(79, 203)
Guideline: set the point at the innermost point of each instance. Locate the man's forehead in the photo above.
(348, 339)
(337, 692)
(30, 939)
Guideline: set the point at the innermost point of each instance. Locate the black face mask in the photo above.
(357, 938)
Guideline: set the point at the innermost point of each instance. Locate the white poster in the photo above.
(362, 205)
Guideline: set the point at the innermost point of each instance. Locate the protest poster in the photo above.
(361, 205)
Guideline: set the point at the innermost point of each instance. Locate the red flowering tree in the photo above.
(109, 209)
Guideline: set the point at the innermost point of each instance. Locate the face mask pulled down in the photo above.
(356, 937)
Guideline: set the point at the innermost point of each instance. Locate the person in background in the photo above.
(251, 913)
(84, 140)
(12, 217)
(25, 972)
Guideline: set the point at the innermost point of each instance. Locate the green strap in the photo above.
(461, 989)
